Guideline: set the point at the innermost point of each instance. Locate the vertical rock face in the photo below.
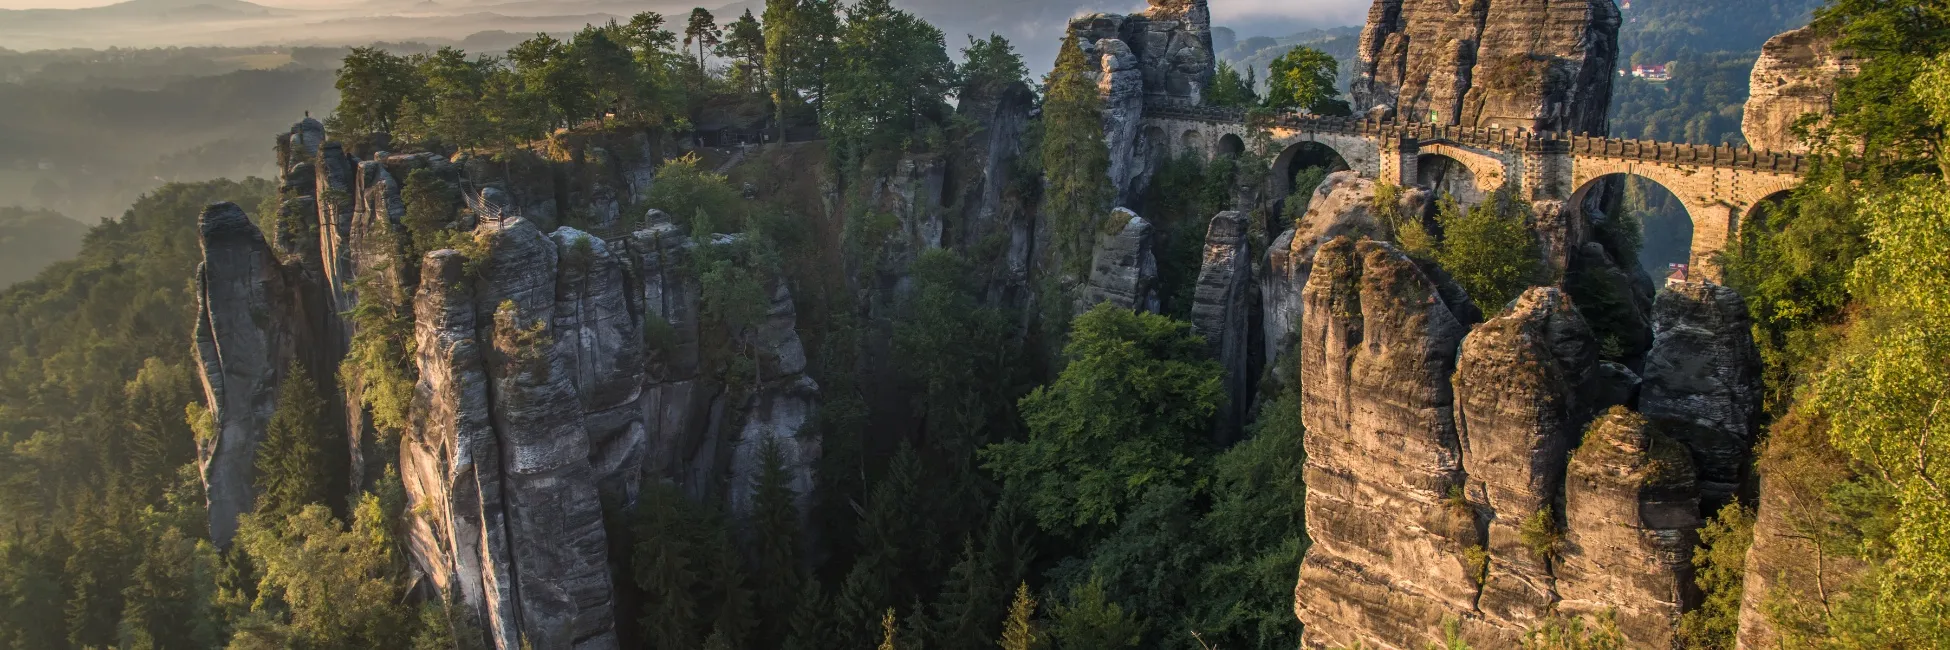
(1491, 63)
(1519, 406)
(1123, 269)
(1789, 569)
(1223, 313)
(553, 372)
(1164, 54)
(1377, 349)
(1702, 380)
(1795, 76)
(244, 344)
(1343, 205)
(1633, 510)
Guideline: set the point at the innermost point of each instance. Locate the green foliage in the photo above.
(1720, 563)
(1540, 534)
(323, 586)
(1304, 79)
(1076, 160)
(744, 44)
(1489, 248)
(1231, 90)
(1092, 621)
(960, 353)
(1256, 531)
(377, 365)
(776, 538)
(293, 450)
(688, 191)
(1477, 559)
(892, 71)
(1185, 193)
(431, 204)
(1559, 633)
(702, 30)
(1305, 183)
(1408, 230)
(374, 85)
(990, 65)
(692, 580)
(32, 239)
(1127, 413)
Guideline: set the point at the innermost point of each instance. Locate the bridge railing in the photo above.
(1725, 156)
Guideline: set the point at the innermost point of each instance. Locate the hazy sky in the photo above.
(1322, 11)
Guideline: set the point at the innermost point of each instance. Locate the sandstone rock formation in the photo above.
(244, 346)
(1633, 509)
(1377, 348)
(1795, 76)
(1702, 381)
(1223, 312)
(1123, 269)
(1490, 63)
(1343, 205)
(1520, 388)
(1164, 54)
(553, 372)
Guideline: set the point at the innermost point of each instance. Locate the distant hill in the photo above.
(32, 239)
(1259, 51)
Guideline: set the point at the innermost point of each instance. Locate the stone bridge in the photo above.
(1719, 186)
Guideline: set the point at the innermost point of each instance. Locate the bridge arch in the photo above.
(1231, 146)
(1467, 175)
(1713, 222)
(1302, 155)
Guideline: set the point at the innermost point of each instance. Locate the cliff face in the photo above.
(1164, 54)
(551, 373)
(1795, 76)
(1633, 508)
(1702, 381)
(1123, 268)
(1225, 313)
(1342, 206)
(1377, 347)
(1491, 63)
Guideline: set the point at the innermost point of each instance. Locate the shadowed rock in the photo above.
(1633, 511)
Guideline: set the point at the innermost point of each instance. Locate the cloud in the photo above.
(1318, 12)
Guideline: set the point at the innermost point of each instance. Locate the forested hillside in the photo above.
(33, 239)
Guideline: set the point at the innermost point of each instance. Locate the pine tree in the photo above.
(1091, 621)
(775, 537)
(702, 31)
(811, 624)
(971, 602)
(889, 632)
(662, 564)
(289, 458)
(1019, 631)
(1076, 160)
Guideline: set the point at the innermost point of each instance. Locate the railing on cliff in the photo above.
(1728, 156)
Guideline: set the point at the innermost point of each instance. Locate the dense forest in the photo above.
(1040, 481)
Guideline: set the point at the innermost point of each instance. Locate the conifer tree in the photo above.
(775, 538)
(811, 623)
(703, 31)
(1076, 160)
(783, 28)
(971, 602)
(1019, 631)
(289, 458)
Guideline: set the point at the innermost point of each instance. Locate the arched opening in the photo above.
(1300, 169)
(1636, 215)
(1444, 175)
(1231, 146)
(1157, 148)
(1188, 143)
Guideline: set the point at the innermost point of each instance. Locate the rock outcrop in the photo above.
(245, 343)
(1123, 268)
(1343, 206)
(551, 372)
(1520, 387)
(1164, 54)
(1377, 348)
(1490, 63)
(1792, 568)
(1702, 381)
(1794, 77)
(1223, 312)
(1633, 509)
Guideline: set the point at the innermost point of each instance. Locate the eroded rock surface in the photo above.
(244, 346)
(1377, 349)
(1490, 63)
(1520, 402)
(1343, 205)
(1702, 381)
(1164, 54)
(1123, 268)
(1223, 312)
(1795, 76)
(1633, 511)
